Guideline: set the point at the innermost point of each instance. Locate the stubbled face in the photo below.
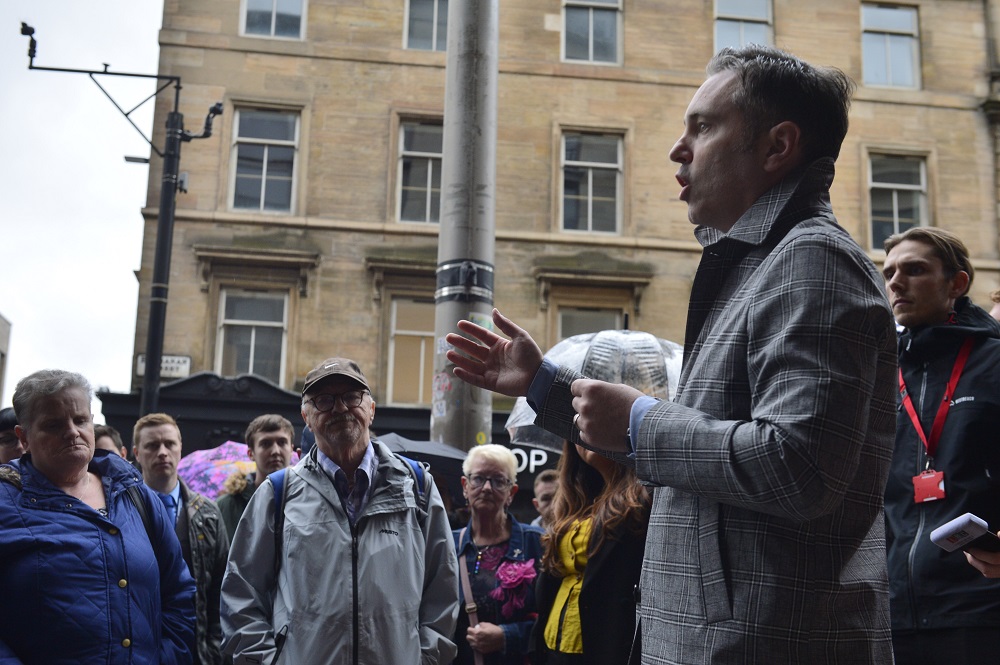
(340, 428)
(488, 499)
(61, 437)
(158, 451)
(919, 291)
(720, 176)
(271, 451)
(544, 494)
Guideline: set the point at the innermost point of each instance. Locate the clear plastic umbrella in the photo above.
(635, 358)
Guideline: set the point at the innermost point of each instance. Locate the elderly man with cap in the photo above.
(347, 556)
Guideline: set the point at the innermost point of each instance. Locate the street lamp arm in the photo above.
(207, 131)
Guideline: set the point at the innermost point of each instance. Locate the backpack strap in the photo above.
(278, 484)
(419, 480)
(135, 496)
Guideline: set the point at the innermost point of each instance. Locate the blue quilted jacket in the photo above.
(82, 588)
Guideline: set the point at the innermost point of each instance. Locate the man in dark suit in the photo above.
(156, 442)
(766, 538)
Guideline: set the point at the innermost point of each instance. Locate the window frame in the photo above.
(402, 154)
(886, 33)
(225, 290)
(434, 32)
(768, 24)
(236, 141)
(304, 4)
(619, 180)
(581, 294)
(922, 188)
(618, 8)
(425, 383)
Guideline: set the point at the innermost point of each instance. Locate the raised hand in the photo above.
(506, 366)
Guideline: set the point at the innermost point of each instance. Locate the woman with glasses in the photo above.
(498, 561)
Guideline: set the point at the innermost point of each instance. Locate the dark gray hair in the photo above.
(44, 383)
(775, 86)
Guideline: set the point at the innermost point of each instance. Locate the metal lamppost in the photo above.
(171, 154)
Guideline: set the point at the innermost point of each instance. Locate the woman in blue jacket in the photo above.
(501, 557)
(91, 570)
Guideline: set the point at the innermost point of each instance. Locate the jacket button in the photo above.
(126, 643)
(122, 583)
(113, 531)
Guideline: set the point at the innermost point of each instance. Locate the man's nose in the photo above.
(680, 152)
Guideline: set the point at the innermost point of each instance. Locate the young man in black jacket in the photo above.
(946, 460)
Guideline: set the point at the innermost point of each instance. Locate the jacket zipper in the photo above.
(354, 582)
(920, 521)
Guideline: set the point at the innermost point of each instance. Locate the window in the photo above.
(251, 339)
(273, 18)
(898, 194)
(579, 320)
(420, 172)
(264, 157)
(411, 351)
(592, 174)
(591, 30)
(427, 25)
(890, 46)
(742, 22)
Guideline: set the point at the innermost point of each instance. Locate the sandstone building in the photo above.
(308, 227)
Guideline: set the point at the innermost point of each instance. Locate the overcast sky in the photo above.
(70, 205)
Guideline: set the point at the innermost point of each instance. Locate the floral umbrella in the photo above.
(639, 359)
(205, 471)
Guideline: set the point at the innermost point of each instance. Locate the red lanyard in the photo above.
(931, 444)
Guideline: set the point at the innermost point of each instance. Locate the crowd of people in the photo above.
(828, 417)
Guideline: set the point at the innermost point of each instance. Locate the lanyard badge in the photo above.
(929, 485)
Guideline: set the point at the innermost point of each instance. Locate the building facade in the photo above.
(309, 224)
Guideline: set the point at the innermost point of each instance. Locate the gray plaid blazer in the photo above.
(766, 542)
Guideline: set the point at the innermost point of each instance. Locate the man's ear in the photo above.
(21, 435)
(250, 451)
(784, 148)
(959, 284)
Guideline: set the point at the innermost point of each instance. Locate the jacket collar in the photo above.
(797, 192)
(515, 550)
(930, 342)
(109, 466)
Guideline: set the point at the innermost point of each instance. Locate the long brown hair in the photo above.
(619, 506)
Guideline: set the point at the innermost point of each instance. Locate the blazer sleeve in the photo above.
(819, 356)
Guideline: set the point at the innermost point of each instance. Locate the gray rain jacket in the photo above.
(384, 591)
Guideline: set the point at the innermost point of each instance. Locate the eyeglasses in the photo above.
(496, 482)
(351, 399)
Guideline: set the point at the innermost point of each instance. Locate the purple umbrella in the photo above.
(205, 471)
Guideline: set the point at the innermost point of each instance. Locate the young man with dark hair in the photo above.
(946, 462)
(269, 444)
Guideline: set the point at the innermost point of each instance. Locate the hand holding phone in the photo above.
(965, 532)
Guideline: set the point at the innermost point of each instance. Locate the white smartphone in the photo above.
(965, 532)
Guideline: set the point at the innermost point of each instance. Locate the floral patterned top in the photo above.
(502, 578)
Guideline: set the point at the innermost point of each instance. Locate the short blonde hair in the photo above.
(495, 453)
(152, 420)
